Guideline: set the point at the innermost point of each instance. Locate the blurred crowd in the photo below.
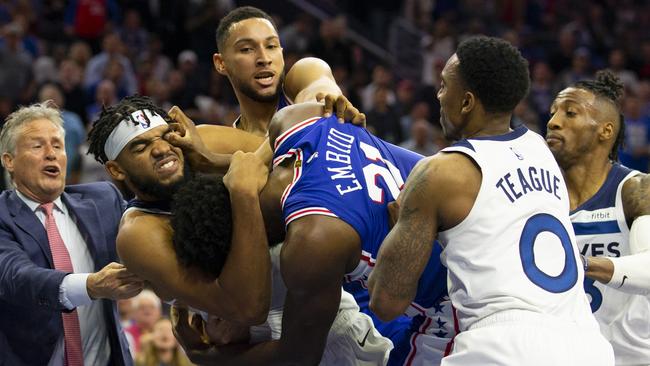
(149, 332)
(87, 54)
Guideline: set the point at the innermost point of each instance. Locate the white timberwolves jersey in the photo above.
(601, 231)
(516, 249)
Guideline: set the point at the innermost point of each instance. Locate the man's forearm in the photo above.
(210, 162)
(247, 273)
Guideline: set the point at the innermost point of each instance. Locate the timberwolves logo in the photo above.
(139, 117)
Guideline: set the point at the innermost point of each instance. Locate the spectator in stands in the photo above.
(618, 66)
(161, 348)
(382, 118)
(196, 82)
(381, 78)
(89, 19)
(562, 54)
(133, 35)
(636, 149)
(421, 140)
(332, 45)
(296, 36)
(15, 66)
(404, 97)
(644, 60)
(105, 95)
(81, 53)
(111, 49)
(69, 78)
(147, 310)
(44, 70)
(161, 65)
(420, 110)
(542, 92)
(580, 69)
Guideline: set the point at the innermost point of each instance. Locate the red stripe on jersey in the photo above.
(299, 126)
(450, 345)
(309, 211)
(422, 330)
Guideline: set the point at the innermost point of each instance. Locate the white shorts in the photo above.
(353, 339)
(517, 337)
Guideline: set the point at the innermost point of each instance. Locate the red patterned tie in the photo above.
(62, 262)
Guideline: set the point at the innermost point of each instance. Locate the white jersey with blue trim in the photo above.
(516, 248)
(602, 231)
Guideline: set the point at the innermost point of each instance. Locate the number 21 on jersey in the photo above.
(390, 174)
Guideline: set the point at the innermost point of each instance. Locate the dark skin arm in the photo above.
(635, 193)
(313, 295)
(311, 79)
(437, 195)
(208, 148)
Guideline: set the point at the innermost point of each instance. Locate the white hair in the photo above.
(15, 121)
(146, 294)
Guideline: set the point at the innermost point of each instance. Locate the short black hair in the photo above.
(110, 117)
(495, 71)
(202, 223)
(236, 16)
(609, 87)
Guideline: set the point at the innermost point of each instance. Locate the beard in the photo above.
(162, 192)
(250, 92)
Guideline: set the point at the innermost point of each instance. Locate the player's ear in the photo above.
(115, 170)
(607, 131)
(469, 100)
(219, 65)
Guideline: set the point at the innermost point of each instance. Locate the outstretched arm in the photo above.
(629, 273)
(208, 148)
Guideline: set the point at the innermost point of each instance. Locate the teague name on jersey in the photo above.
(517, 184)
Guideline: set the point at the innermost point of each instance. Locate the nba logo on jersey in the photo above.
(141, 119)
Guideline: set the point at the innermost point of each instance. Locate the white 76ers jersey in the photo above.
(516, 249)
(602, 231)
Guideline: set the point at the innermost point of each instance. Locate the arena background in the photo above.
(386, 56)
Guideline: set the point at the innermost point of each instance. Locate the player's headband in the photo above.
(126, 131)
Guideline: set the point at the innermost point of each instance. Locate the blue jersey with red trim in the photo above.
(343, 171)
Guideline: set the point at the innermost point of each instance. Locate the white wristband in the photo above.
(632, 272)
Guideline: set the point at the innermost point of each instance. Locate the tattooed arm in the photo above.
(629, 273)
(439, 193)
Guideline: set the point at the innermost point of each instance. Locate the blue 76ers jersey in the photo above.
(342, 171)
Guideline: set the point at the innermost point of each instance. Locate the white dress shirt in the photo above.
(73, 292)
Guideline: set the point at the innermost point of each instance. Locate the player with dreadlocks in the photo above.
(610, 211)
(128, 139)
(132, 140)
